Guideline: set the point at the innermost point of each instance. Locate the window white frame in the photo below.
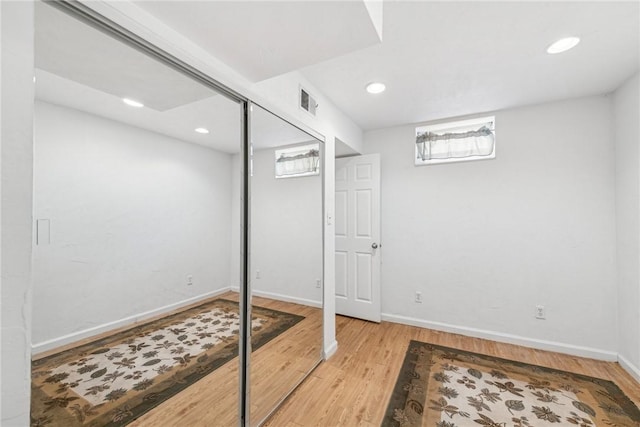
(455, 127)
(300, 162)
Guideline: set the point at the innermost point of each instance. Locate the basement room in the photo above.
(320, 213)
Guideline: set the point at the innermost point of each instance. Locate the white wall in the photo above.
(282, 93)
(132, 214)
(487, 241)
(16, 120)
(626, 111)
(286, 233)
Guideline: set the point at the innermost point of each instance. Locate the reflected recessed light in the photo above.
(202, 130)
(132, 103)
(563, 45)
(376, 87)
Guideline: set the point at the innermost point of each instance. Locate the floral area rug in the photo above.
(443, 387)
(112, 381)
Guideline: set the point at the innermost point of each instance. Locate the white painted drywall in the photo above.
(16, 119)
(487, 241)
(626, 126)
(132, 214)
(282, 92)
(286, 233)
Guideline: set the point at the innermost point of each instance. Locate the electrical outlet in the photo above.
(257, 274)
(318, 283)
(189, 280)
(418, 297)
(540, 312)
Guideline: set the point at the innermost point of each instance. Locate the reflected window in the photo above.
(298, 161)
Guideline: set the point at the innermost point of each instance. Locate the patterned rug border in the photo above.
(400, 397)
(257, 342)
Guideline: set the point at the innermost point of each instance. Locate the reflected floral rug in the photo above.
(444, 387)
(114, 380)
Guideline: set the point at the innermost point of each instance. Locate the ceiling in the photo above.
(447, 59)
(438, 59)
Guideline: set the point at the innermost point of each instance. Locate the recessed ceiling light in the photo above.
(563, 45)
(202, 130)
(376, 87)
(132, 103)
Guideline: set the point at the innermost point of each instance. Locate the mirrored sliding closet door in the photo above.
(177, 273)
(135, 306)
(285, 259)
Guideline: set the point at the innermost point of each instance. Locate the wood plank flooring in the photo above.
(350, 389)
(353, 387)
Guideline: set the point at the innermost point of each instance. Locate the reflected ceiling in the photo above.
(72, 50)
(82, 68)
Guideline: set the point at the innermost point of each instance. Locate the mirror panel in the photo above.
(138, 183)
(285, 259)
(135, 289)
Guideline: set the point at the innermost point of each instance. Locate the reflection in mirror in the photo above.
(286, 260)
(132, 300)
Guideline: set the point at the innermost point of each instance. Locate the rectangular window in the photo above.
(460, 141)
(298, 161)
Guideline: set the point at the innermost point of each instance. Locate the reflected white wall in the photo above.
(286, 233)
(132, 215)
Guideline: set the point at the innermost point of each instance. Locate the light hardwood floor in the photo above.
(353, 387)
(350, 389)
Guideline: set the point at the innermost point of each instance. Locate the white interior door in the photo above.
(357, 223)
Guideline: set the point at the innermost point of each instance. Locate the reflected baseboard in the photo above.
(124, 322)
(287, 298)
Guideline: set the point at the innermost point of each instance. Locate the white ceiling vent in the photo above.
(307, 102)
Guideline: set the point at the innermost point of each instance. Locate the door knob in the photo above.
(374, 245)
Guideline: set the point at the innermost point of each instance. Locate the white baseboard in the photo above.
(127, 321)
(287, 298)
(574, 350)
(330, 350)
(633, 370)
